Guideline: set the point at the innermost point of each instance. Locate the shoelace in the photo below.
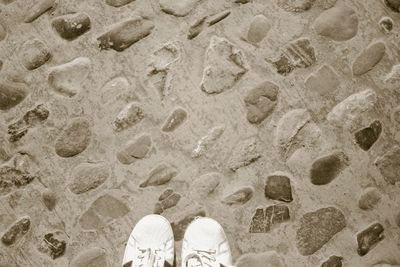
(150, 258)
(202, 258)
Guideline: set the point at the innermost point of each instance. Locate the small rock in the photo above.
(53, 245)
(174, 120)
(3, 32)
(12, 178)
(339, 23)
(366, 137)
(393, 4)
(160, 175)
(242, 1)
(38, 9)
(118, 90)
(261, 101)
(74, 139)
(168, 201)
(368, 58)
(67, 79)
(205, 185)
(386, 24)
(179, 226)
(389, 165)
(296, 5)
(369, 198)
(333, 261)
(71, 26)
(278, 188)
(128, 117)
(118, 3)
(324, 81)
(135, 149)
(16, 231)
(224, 64)
(90, 257)
(11, 94)
(88, 176)
(258, 29)
(208, 140)
(218, 17)
(124, 34)
(34, 54)
(178, 8)
(369, 238)
(244, 154)
(196, 27)
(283, 65)
(265, 259)
(317, 228)
(49, 198)
(264, 219)
(239, 197)
(168, 192)
(326, 168)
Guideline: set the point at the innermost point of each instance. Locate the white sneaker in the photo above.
(205, 245)
(151, 243)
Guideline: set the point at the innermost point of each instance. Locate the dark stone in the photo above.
(325, 169)
(49, 199)
(34, 54)
(11, 94)
(366, 137)
(166, 194)
(264, 219)
(160, 175)
(386, 24)
(296, 5)
(16, 231)
(11, 178)
(239, 197)
(118, 3)
(283, 65)
(129, 116)
(53, 245)
(369, 238)
(71, 26)
(389, 165)
(278, 188)
(170, 201)
(333, 261)
(74, 139)
(174, 120)
(179, 226)
(38, 9)
(196, 28)
(393, 5)
(317, 228)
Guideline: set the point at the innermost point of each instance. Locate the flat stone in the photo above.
(218, 17)
(244, 154)
(49, 199)
(38, 9)
(67, 79)
(135, 149)
(178, 8)
(258, 29)
(265, 259)
(13, 178)
(129, 116)
(179, 226)
(74, 139)
(205, 185)
(88, 176)
(339, 23)
(261, 101)
(196, 27)
(366, 137)
(168, 192)
(170, 201)
(239, 197)
(393, 5)
(53, 245)
(278, 187)
(124, 34)
(389, 165)
(208, 140)
(91, 257)
(324, 81)
(34, 53)
(160, 175)
(326, 168)
(369, 238)
(11, 94)
(386, 24)
(296, 5)
(224, 64)
(118, 3)
(333, 261)
(71, 26)
(264, 219)
(317, 228)
(369, 198)
(368, 58)
(16, 231)
(174, 120)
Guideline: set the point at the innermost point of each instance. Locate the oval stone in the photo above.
(88, 176)
(74, 139)
(259, 27)
(368, 58)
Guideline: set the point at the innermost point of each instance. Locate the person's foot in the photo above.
(151, 243)
(205, 245)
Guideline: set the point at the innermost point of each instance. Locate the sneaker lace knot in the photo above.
(150, 257)
(201, 258)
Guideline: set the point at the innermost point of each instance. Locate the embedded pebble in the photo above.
(16, 231)
(179, 226)
(12, 178)
(317, 228)
(11, 94)
(49, 198)
(3, 32)
(218, 17)
(196, 28)
(366, 137)
(205, 185)
(90, 257)
(174, 120)
(53, 245)
(278, 187)
(324, 81)
(167, 199)
(129, 116)
(118, 89)
(74, 139)
(164, 195)
(368, 58)
(339, 23)
(71, 26)
(88, 176)
(265, 259)
(333, 261)
(263, 220)
(326, 168)
(244, 154)
(296, 5)
(224, 65)
(261, 101)
(207, 141)
(38, 9)
(393, 4)
(369, 198)
(124, 34)
(34, 54)
(258, 29)
(118, 3)
(239, 197)
(386, 24)
(67, 79)
(369, 238)
(135, 149)
(389, 165)
(178, 8)
(160, 175)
